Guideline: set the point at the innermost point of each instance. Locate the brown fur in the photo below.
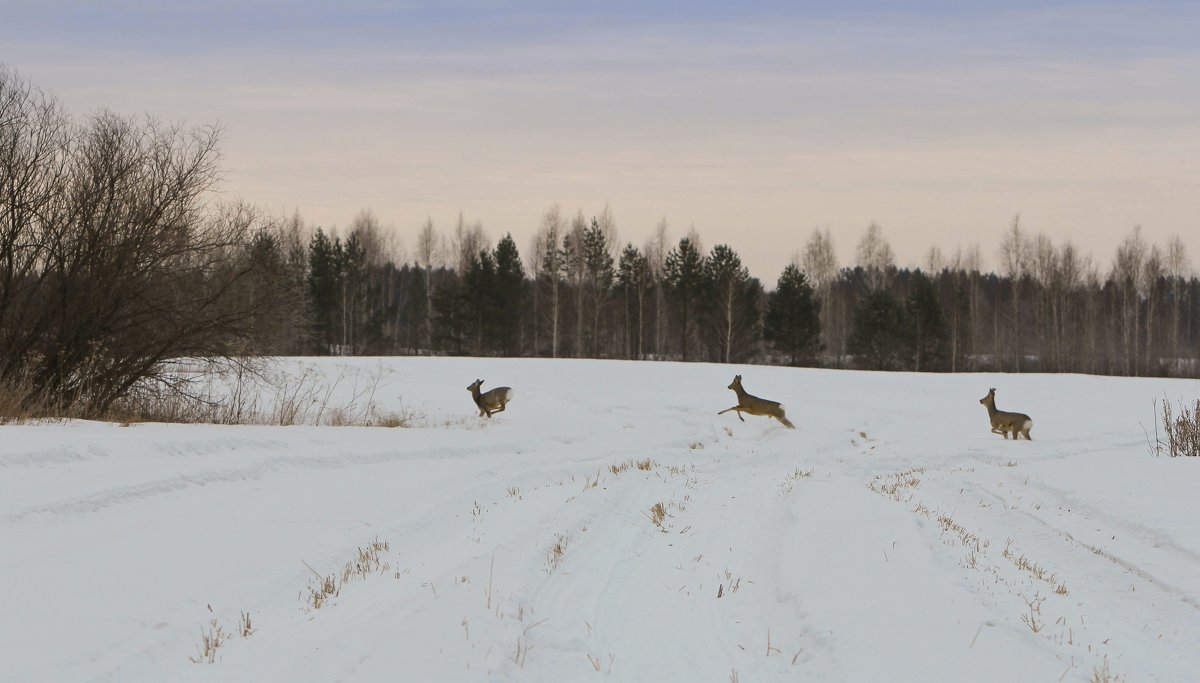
(754, 405)
(1004, 422)
(488, 402)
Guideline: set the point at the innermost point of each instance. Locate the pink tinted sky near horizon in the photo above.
(755, 125)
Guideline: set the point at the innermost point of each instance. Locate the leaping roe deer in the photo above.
(492, 401)
(754, 405)
(1004, 422)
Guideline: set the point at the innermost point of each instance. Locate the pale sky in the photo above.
(755, 123)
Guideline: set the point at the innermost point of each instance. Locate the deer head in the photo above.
(475, 385)
(990, 398)
(735, 384)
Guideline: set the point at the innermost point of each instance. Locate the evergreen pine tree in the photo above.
(928, 334)
(479, 301)
(599, 264)
(793, 322)
(732, 306)
(323, 280)
(633, 274)
(509, 292)
(684, 275)
(881, 332)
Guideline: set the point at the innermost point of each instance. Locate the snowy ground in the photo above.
(890, 537)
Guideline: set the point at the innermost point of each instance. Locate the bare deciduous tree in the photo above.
(112, 259)
(876, 258)
(1178, 270)
(1014, 258)
(656, 258)
(550, 237)
(819, 264)
(1127, 274)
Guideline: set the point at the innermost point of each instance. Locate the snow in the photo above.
(121, 543)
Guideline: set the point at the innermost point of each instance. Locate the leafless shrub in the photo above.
(1180, 434)
(116, 256)
(224, 391)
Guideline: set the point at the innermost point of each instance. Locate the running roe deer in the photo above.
(755, 405)
(1004, 422)
(492, 401)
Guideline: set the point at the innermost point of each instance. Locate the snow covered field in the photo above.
(889, 537)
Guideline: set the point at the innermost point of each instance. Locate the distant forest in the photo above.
(577, 291)
(117, 255)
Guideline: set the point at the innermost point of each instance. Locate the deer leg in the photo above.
(500, 409)
(727, 410)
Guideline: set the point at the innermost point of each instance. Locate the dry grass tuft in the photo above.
(366, 562)
(591, 481)
(1033, 618)
(1033, 569)
(729, 586)
(1101, 674)
(897, 486)
(211, 640)
(644, 465)
(325, 589)
(554, 557)
(789, 482)
(967, 538)
(658, 516)
(522, 652)
(244, 625)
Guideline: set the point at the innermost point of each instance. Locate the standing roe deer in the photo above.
(1004, 422)
(492, 401)
(755, 405)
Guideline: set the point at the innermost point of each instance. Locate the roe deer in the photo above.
(492, 401)
(1004, 422)
(755, 405)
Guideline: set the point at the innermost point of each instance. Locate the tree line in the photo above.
(576, 291)
(116, 256)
